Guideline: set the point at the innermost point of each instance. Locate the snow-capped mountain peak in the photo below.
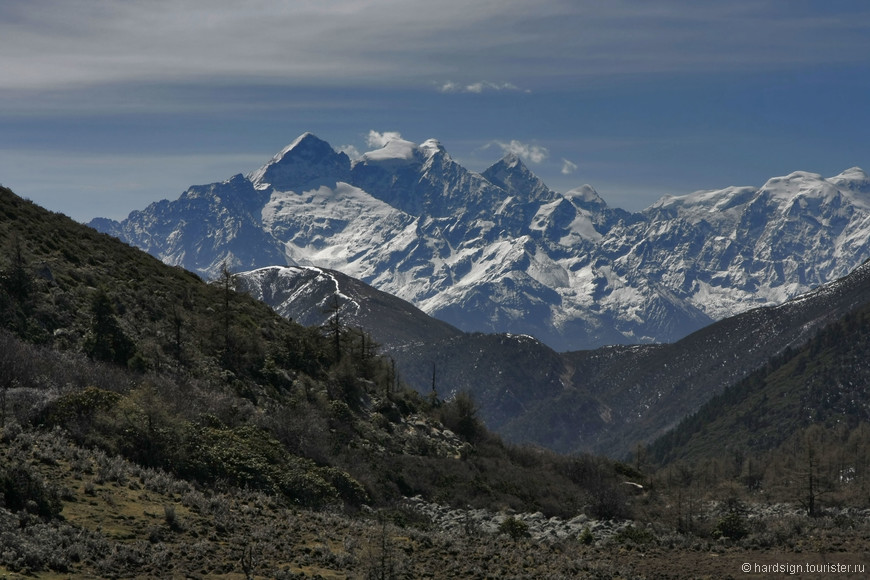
(395, 153)
(306, 159)
(512, 160)
(795, 184)
(855, 181)
(431, 147)
(853, 175)
(512, 175)
(401, 153)
(585, 196)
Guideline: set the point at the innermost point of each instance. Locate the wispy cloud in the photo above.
(57, 44)
(477, 87)
(525, 151)
(377, 140)
(173, 78)
(568, 167)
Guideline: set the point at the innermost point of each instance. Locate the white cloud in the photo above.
(350, 151)
(450, 87)
(476, 87)
(377, 140)
(568, 167)
(526, 151)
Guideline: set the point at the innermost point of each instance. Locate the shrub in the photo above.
(349, 489)
(607, 500)
(732, 526)
(634, 535)
(460, 416)
(171, 518)
(306, 488)
(77, 409)
(21, 489)
(514, 528)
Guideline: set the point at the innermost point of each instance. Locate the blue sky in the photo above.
(107, 106)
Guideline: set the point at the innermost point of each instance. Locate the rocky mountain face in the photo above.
(310, 296)
(499, 251)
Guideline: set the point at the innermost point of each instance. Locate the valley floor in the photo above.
(119, 520)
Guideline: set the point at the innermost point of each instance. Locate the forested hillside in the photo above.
(798, 428)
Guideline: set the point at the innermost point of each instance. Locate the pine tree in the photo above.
(107, 340)
(333, 327)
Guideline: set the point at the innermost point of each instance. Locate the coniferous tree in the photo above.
(227, 283)
(333, 327)
(177, 320)
(16, 279)
(107, 340)
(17, 297)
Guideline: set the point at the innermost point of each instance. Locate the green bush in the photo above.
(80, 406)
(460, 416)
(732, 526)
(634, 535)
(349, 489)
(305, 487)
(249, 457)
(514, 528)
(22, 489)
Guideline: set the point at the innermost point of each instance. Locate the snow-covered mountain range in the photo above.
(499, 251)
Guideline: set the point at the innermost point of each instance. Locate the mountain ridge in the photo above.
(499, 251)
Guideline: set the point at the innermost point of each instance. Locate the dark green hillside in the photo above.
(825, 383)
(80, 283)
(506, 373)
(801, 421)
(629, 395)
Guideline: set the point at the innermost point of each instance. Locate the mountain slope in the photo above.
(214, 459)
(217, 389)
(223, 424)
(824, 382)
(309, 296)
(499, 251)
(643, 391)
(221, 223)
(505, 373)
(762, 245)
